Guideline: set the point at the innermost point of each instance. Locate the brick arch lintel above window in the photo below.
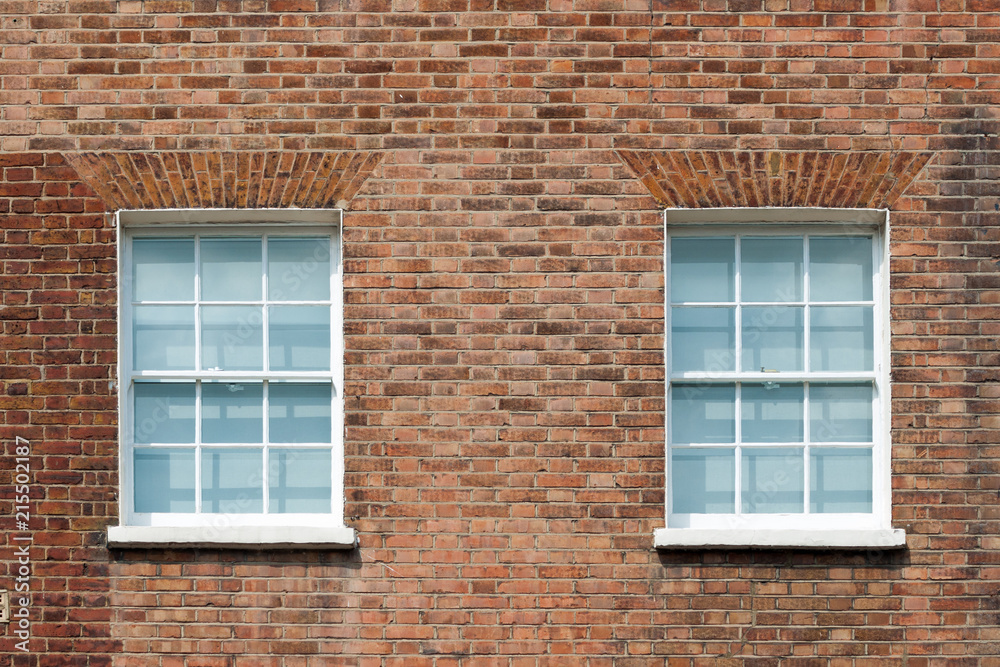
(714, 179)
(225, 179)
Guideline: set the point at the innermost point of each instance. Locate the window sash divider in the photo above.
(227, 376)
(750, 377)
(197, 447)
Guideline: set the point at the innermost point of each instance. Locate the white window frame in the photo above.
(319, 531)
(861, 531)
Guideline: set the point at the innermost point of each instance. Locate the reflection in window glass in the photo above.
(702, 270)
(164, 412)
(298, 269)
(773, 480)
(232, 480)
(232, 412)
(299, 480)
(299, 412)
(163, 269)
(231, 269)
(703, 413)
(163, 338)
(771, 269)
(840, 480)
(703, 339)
(164, 480)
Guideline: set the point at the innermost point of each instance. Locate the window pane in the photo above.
(840, 480)
(840, 412)
(164, 412)
(703, 481)
(702, 413)
(298, 269)
(703, 339)
(231, 269)
(841, 338)
(772, 413)
(840, 268)
(232, 480)
(232, 338)
(232, 412)
(771, 269)
(773, 480)
(773, 338)
(299, 338)
(164, 480)
(163, 269)
(702, 269)
(299, 480)
(299, 413)
(163, 338)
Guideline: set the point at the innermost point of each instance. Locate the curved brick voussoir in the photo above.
(711, 179)
(214, 179)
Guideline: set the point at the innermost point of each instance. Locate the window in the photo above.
(231, 378)
(777, 391)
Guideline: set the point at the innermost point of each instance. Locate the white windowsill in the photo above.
(232, 537)
(700, 538)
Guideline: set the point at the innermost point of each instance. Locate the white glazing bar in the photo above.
(265, 477)
(738, 318)
(784, 376)
(806, 442)
(738, 367)
(738, 467)
(197, 447)
(265, 314)
(807, 314)
(197, 310)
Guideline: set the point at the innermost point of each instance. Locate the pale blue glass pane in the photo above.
(840, 268)
(773, 480)
(703, 481)
(840, 480)
(772, 412)
(840, 412)
(232, 412)
(232, 480)
(163, 269)
(773, 338)
(702, 269)
(701, 413)
(164, 412)
(299, 480)
(164, 480)
(702, 339)
(231, 269)
(232, 338)
(299, 412)
(841, 338)
(299, 338)
(163, 338)
(771, 269)
(298, 269)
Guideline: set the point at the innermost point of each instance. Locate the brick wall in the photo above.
(502, 165)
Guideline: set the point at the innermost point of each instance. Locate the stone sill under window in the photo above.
(693, 538)
(232, 537)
